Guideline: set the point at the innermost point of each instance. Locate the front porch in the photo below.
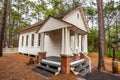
(54, 65)
(60, 46)
(65, 41)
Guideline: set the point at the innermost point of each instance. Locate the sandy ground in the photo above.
(13, 67)
(107, 60)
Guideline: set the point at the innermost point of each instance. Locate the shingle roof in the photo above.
(60, 16)
(33, 27)
(37, 25)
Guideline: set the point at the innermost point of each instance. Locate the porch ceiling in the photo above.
(53, 31)
(77, 30)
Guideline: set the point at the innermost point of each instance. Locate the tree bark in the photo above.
(101, 33)
(2, 29)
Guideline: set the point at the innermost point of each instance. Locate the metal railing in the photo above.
(89, 60)
(10, 50)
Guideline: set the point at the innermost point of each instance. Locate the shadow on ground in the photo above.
(44, 73)
(97, 75)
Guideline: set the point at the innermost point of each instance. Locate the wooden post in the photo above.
(75, 42)
(63, 42)
(82, 43)
(42, 42)
(113, 57)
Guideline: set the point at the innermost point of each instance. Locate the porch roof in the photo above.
(53, 23)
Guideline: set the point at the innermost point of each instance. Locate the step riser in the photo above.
(51, 67)
(82, 69)
(54, 71)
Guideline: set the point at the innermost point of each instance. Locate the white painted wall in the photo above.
(29, 49)
(73, 19)
(53, 39)
(53, 24)
(53, 43)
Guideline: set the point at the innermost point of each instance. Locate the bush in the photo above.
(117, 54)
(109, 53)
(31, 61)
(89, 50)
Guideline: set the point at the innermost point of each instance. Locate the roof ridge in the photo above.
(33, 25)
(61, 15)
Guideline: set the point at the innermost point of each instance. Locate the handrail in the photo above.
(10, 50)
(89, 60)
(71, 49)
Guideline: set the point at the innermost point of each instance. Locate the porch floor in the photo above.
(57, 59)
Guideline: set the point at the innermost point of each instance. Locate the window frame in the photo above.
(22, 41)
(39, 39)
(27, 37)
(32, 39)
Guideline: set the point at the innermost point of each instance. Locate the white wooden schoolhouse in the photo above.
(59, 41)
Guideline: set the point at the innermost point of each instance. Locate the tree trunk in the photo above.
(116, 40)
(2, 29)
(101, 33)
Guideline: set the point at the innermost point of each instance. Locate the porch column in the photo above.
(65, 49)
(76, 43)
(68, 41)
(76, 55)
(82, 42)
(79, 44)
(42, 42)
(63, 42)
(42, 53)
(65, 56)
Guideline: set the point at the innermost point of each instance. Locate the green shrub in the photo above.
(109, 53)
(89, 50)
(31, 61)
(117, 54)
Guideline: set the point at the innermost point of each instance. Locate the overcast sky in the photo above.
(69, 1)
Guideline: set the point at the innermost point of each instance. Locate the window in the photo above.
(39, 39)
(32, 40)
(78, 40)
(78, 16)
(22, 40)
(26, 40)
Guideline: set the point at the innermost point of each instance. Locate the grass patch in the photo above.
(109, 53)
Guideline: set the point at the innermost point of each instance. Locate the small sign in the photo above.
(119, 35)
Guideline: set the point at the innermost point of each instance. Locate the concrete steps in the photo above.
(81, 68)
(51, 67)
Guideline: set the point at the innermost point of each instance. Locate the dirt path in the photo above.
(108, 61)
(13, 67)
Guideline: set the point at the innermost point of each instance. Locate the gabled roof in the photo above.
(84, 19)
(60, 17)
(55, 19)
(70, 25)
(82, 15)
(33, 27)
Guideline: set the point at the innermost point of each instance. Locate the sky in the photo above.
(87, 3)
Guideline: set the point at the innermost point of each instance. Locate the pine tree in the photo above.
(2, 29)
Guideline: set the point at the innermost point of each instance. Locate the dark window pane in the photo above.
(32, 39)
(39, 39)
